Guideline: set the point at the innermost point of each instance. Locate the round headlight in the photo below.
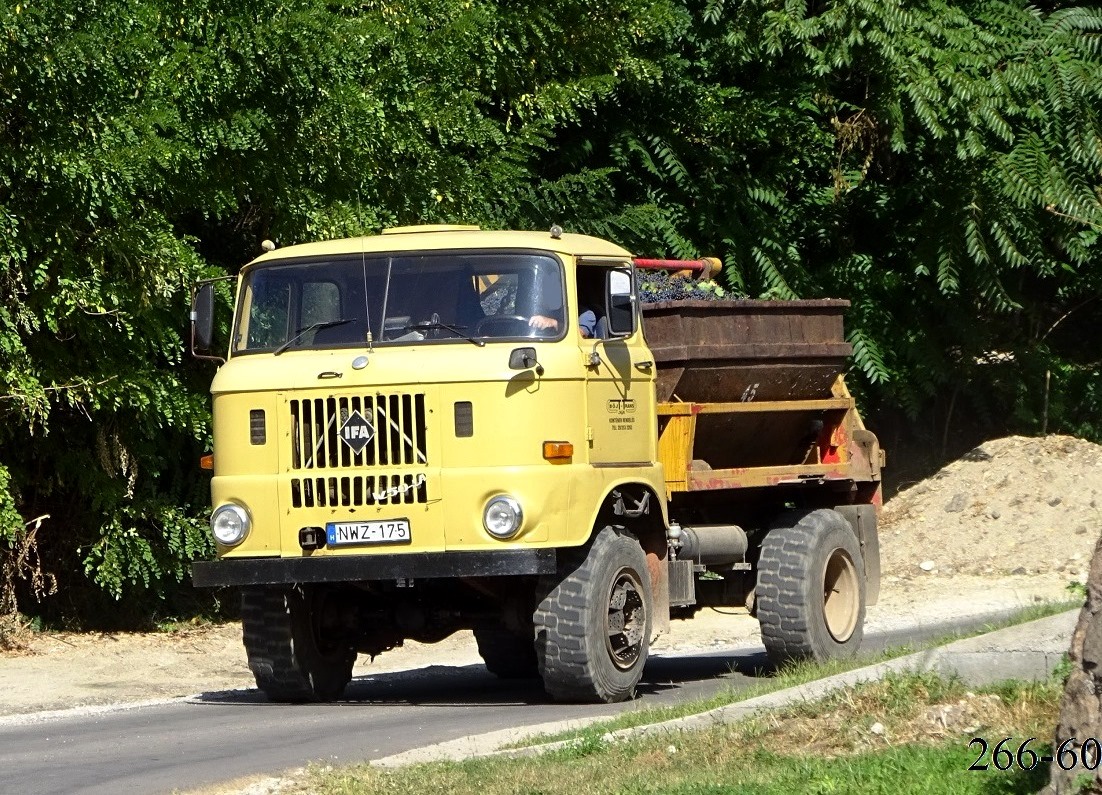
(230, 524)
(502, 517)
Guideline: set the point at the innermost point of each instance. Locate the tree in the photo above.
(144, 145)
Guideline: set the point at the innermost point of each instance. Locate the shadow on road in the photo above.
(473, 686)
(739, 665)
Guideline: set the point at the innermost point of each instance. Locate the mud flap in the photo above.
(682, 583)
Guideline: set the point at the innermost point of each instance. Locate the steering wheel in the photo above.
(490, 320)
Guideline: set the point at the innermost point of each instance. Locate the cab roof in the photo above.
(429, 238)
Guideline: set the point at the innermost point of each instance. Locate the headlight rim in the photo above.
(514, 505)
(244, 517)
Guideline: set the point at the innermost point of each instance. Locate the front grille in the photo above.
(352, 490)
(398, 439)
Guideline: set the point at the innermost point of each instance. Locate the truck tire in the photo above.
(593, 623)
(810, 595)
(293, 657)
(507, 655)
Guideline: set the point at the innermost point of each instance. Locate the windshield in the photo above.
(401, 299)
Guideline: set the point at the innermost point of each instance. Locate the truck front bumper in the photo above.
(356, 568)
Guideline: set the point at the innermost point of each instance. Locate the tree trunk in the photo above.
(1080, 719)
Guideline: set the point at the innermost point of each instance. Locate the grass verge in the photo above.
(906, 733)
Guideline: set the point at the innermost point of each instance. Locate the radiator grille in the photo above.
(398, 440)
(349, 490)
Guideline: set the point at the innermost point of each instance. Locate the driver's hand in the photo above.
(543, 322)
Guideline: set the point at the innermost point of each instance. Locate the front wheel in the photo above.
(593, 623)
(297, 649)
(810, 596)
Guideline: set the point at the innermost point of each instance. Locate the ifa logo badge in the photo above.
(356, 432)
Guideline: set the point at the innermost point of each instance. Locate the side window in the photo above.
(592, 320)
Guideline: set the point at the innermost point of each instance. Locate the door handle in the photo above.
(644, 365)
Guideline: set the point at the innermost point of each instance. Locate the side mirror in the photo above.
(523, 359)
(202, 319)
(620, 303)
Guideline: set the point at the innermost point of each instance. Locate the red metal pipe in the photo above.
(708, 266)
(671, 264)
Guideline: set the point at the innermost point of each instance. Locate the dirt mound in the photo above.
(1015, 505)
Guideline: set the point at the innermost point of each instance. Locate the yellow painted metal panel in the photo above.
(675, 449)
(234, 453)
(620, 400)
(257, 493)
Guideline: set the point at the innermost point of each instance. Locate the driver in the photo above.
(591, 313)
(589, 323)
(543, 322)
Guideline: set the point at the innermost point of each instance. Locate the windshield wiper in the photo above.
(312, 327)
(431, 325)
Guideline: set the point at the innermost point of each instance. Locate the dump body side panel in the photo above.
(751, 395)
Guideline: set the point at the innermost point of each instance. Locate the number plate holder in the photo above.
(347, 534)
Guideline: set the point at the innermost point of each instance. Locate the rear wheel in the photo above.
(810, 596)
(593, 623)
(507, 655)
(296, 647)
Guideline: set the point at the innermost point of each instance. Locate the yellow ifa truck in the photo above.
(443, 428)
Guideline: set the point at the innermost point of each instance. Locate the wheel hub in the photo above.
(841, 595)
(626, 620)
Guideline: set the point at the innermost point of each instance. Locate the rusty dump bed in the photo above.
(750, 394)
(718, 351)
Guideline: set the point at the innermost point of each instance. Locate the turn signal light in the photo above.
(558, 451)
(207, 462)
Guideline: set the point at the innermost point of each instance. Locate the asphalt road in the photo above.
(221, 736)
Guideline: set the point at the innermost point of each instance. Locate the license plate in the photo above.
(392, 531)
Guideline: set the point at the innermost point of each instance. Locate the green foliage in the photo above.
(11, 523)
(123, 558)
(1077, 589)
